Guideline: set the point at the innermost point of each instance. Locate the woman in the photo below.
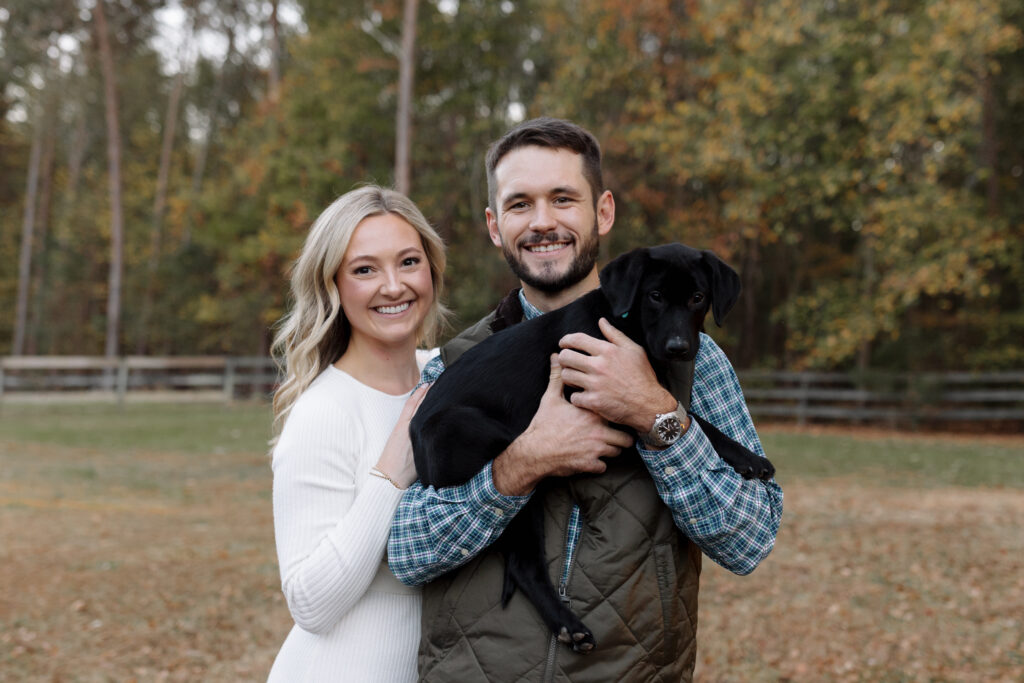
(366, 292)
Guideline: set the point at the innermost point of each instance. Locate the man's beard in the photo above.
(552, 282)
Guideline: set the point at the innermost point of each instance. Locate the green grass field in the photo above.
(900, 460)
(137, 544)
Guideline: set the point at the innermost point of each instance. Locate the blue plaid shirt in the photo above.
(733, 520)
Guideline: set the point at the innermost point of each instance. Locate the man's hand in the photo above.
(562, 439)
(615, 376)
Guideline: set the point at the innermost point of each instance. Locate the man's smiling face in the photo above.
(544, 217)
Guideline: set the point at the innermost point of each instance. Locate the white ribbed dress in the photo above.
(354, 621)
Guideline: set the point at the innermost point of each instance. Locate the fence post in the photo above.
(122, 379)
(1, 380)
(801, 408)
(229, 380)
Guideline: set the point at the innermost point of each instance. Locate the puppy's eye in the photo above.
(655, 296)
(697, 298)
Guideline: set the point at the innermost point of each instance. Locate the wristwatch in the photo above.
(667, 429)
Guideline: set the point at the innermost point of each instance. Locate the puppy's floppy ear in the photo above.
(725, 286)
(621, 278)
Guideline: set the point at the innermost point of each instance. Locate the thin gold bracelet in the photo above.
(377, 473)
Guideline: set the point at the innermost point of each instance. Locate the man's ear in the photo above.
(725, 286)
(620, 280)
(492, 227)
(605, 210)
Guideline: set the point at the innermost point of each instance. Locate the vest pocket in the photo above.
(665, 567)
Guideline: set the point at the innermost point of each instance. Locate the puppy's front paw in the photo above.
(755, 467)
(763, 470)
(581, 639)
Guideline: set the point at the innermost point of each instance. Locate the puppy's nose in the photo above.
(676, 347)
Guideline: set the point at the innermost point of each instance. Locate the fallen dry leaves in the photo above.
(173, 577)
(875, 584)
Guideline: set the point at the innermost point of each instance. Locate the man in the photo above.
(613, 541)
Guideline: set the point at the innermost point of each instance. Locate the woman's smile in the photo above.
(393, 309)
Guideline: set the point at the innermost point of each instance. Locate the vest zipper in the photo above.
(563, 585)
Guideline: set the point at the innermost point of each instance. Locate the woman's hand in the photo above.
(396, 459)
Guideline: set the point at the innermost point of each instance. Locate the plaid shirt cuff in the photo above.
(438, 530)
(732, 520)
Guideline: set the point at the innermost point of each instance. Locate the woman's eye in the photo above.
(697, 298)
(362, 270)
(655, 296)
(411, 261)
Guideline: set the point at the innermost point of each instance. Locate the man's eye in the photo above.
(655, 296)
(697, 298)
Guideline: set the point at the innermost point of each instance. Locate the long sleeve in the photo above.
(331, 520)
(732, 519)
(438, 530)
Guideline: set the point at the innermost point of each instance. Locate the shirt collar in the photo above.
(529, 310)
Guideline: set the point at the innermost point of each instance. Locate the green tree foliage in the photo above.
(860, 163)
(334, 129)
(834, 151)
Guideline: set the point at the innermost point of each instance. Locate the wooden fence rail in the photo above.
(135, 377)
(892, 398)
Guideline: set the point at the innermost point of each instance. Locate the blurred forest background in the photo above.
(860, 162)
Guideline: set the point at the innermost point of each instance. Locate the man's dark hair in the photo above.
(553, 134)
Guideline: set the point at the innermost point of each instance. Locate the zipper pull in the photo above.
(563, 596)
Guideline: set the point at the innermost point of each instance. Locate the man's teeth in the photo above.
(393, 309)
(546, 247)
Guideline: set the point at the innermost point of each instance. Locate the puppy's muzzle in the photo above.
(677, 348)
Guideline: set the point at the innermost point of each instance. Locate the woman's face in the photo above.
(384, 281)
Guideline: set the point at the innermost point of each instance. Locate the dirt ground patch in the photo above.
(875, 584)
(161, 576)
(152, 566)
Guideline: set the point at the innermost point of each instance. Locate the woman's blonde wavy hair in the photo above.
(315, 332)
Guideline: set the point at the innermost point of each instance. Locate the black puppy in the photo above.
(658, 297)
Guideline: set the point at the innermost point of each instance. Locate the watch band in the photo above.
(667, 429)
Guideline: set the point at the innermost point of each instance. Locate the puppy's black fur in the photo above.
(659, 298)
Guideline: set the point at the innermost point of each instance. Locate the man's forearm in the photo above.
(732, 520)
(511, 478)
(438, 530)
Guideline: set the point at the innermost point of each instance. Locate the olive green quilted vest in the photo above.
(633, 581)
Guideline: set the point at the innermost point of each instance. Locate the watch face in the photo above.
(669, 429)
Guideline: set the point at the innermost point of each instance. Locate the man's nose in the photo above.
(543, 218)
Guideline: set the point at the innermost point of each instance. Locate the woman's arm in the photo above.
(330, 540)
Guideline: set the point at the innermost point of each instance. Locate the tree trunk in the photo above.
(990, 144)
(114, 164)
(274, 72)
(42, 231)
(28, 225)
(76, 159)
(159, 205)
(868, 281)
(199, 171)
(406, 74)
(751, 279)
